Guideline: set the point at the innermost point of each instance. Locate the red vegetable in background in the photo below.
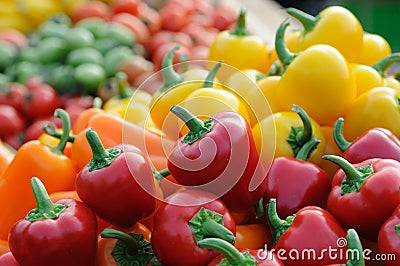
(61, 233)
(389, 237)
(7, 259)
(12, 121)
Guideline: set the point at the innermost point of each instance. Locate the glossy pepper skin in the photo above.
(335, 26)
(173, 230)
(365, 194)
(319, 79)
(389, 237)
(219, 156)
(33, 158)
(123, 177)
(296, 183)
(242, 256)
(310, 228)
(61, 233)
(8, 259)
(374, 143)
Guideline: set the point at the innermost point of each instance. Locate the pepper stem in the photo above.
(355, 177)
(128, 240)
(382, 65)
(306, 150)
(284, 54)
(209, 80)
(340, 140)
(45, 208)
(197, 128)
(300, 135)
(160, 175)
(354, 245)
(123, 86)
(397, 228)
(169, 75)
(231, 253)
(50, 130)
(206, 223)
(101, 157)
(66, 128)
(277, 225)
(97, 103)
(240, 28)
(308, 21)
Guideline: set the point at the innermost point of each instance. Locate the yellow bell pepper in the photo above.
(269, 88)
(239, 49)
(12, 18)
(318, 79)
(285, 133)
(335, 26)
(378, 107)
(39, 10)
(382, 65)
(374, 48)
(366, 78)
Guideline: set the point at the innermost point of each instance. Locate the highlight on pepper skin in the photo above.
(207, 110)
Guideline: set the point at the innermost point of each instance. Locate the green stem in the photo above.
(338, 136)
(259, 208)
(240, 28)
(354, 244)
(397, 228)
(97, 103)
(160, 175)
(101, 157)
(306, 150)
(122, 83)
(209, 80)
(169, 75)
(284, 54)
(45, 208)
(276, 224)
(197, 128)
(382, 65)
(308, 21)
(231, 253)
(49, 129)
(66, 128)
(127, 239)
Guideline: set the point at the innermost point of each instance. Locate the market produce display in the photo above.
(170, 133)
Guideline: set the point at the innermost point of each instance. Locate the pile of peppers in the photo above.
(297, 151)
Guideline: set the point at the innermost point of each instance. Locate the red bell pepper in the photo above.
(117, 183)
(306, 237)
(296, 183)
(7, 259)
(365, 194)
(185, 218)
(61, 233)
(219, 156)
(389, 237)
(373, 143)
(242, 256)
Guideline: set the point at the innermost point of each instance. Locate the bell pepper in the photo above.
(375, 47)
(132, 105)
(33, 158)
(293, 130)
(61, 233)
(382, 65)
(311, 228)
(219, 156)
(377, 107)
(125, 248)
(185, 218)
(8, 259)
(373, 143)
(252, 236)
(330, 148)
(227, 44)
(335, 26)
(269, 88)
(175, 90)
(366, 77)
(82, 121)
(318, 79)
(364, 194)
(232, 256)
(296, 183)
(123, 176)
(6, 156)
(389, 237)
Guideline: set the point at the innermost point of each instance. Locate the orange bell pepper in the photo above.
(106, 245)
(4, 248)
(6, 156)
(114, 130)
(33, 158)
(253, 236)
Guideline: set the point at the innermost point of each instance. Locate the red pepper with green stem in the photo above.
(124, 179)
(240, 257)
(373, 143)
(61, 233)
(185, 218)
(364, 194)
(219, 155)
(311, 228)
(296, 183)
(389, 237)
